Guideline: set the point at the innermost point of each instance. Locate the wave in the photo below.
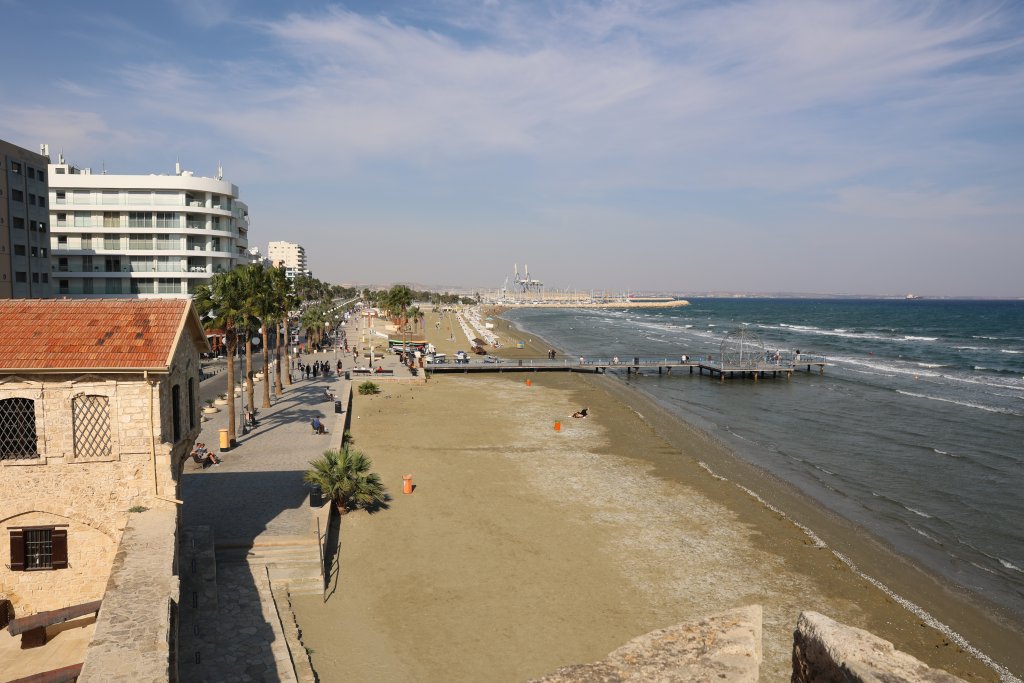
(1014, 351)
(966, 404)
(917, 512)
(1010, 565)
(932, 365)
(925, 534)
(911, 337)
(952, 455)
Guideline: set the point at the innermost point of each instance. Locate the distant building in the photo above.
(142, 235)
(99, 408)
(256, 257)
(24, 240)
(289, 255)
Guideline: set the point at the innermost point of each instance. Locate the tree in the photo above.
(345, 478)
(250, 280)
(284, 298)
(222, 304)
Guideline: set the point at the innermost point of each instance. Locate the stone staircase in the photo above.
(290, 562)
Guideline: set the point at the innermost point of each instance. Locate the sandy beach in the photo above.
(523, 549)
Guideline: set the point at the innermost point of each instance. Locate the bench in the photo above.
(384, 372)
(361, 371)
(61, 675)
(32, 629)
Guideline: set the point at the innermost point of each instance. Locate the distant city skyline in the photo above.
(751, 146)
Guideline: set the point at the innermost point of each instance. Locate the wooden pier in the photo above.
(759, 369)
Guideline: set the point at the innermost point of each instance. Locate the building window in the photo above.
(140, 219)
(17, 196)
(111, 220)
(41, 175)
(18, 222)
(64, 286)
(113, 286)
(35, 251)
(36, 548)
(35, 278)
(176, 412)
(31, 172)
(191, 404)
(91, 415)
(20, 277)
(42, 227)
(62, 219)
(31, 199)
(32, 226)
(15, 167)
(86, 285)
(19, 249)
(112, 242)
(59, 171)
(166, 220)
(46, 277)
(62, 197)
(83, 220)
(62, 241)
(18, 428)
(42, 200)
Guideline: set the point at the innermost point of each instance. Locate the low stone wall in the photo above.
(136, 630)
(825, 650)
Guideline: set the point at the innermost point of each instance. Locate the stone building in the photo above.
(99, 408)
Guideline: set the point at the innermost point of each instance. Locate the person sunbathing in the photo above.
(582, 412)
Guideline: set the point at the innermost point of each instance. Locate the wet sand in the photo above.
(524, 549)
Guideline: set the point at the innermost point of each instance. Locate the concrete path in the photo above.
(247, 525)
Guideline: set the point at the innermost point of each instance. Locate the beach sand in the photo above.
(523, 549)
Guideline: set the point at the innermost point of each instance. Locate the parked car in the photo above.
(461, 357)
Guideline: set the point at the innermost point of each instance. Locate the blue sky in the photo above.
(766, 145)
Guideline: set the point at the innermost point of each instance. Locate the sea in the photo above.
(915, 431)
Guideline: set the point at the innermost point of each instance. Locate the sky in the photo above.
(863, 147)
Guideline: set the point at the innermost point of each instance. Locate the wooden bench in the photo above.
(32, 629)
(61, 675)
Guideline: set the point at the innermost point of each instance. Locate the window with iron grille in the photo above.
(18, 429)
(91, 416)
(36, 548)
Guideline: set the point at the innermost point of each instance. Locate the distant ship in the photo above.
(911, 297)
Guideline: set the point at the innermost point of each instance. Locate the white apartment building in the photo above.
(290, 255)
(142, 235)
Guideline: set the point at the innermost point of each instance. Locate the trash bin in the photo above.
(224, 443)
(337, 407)
(348, 375)
(316, 497)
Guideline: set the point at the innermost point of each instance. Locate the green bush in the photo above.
(369, 388)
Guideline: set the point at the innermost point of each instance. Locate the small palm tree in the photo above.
(344, 476)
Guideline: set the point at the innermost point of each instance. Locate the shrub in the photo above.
(369, 388)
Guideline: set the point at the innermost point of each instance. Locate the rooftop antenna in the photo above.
(177, 166)
(60, 156)
(103, 168)
(220, 171)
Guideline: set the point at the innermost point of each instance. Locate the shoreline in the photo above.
(979, 626)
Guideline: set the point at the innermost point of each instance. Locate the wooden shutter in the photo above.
(59, 549)
(17, 550)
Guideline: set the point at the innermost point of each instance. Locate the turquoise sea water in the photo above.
(915, 431)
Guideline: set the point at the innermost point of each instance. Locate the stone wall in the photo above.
(91, 494)
(825, 650)
(136, 632)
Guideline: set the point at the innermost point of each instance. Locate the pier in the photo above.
(770, 366)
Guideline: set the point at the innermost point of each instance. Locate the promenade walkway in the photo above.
(246, 524)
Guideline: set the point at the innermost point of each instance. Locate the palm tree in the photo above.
(250, 280)
(222, 304)
(344, 476)
(281, 300)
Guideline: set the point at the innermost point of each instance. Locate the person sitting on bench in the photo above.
(582, 412)
(318, 426)
(200, 455)
(328, 394)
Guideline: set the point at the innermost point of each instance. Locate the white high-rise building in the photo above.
(290, 255)
(142, 235)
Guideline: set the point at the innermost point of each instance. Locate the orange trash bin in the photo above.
(407, 483)
(558, 426)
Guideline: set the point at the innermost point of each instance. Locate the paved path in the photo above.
(242, 518)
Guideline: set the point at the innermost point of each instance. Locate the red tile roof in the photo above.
(91, 334)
